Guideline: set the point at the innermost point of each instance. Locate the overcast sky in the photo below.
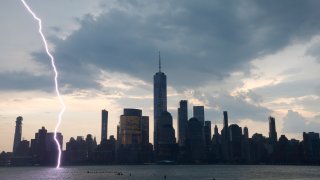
(252, 58)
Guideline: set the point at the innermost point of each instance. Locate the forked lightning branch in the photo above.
(56, 74)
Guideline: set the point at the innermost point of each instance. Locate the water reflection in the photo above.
(178, 172)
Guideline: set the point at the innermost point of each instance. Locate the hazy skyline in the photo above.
(251, 58)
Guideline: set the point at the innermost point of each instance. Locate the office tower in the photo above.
(225, 137)
(17, 134)
(225, 126)
(130, 127)
(235, 134)
(40, 146)
(133, 137)
(76, 150)
(207, 133)
(245, 145)
(166, 131)
(272, 130)
(159, 99)
(216, 130)
(182, 122)
(216, 135)
(91, 144)
(23, 148)
(216, 145)
(198, 112)
(118, 133)
(52, 149)
(245, 132)
(145, 130)
(167, 146)
(147, 148)
(195, 140)
(311, 147)
(104, 125)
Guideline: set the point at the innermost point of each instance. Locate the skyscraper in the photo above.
(159, 100)
(195, 140)
(166, 131)
(167, 146)
(272, 130)
(52, 148)
(235, 140)
(130, 127)
(145, 130)
(17, 134)
(207, 133)
(216, 134)
(182, 122)
(133, 137)
(104, 125)
(225, 126)
(198, 112)
(225, 137)
(40, 146)
(246, 132)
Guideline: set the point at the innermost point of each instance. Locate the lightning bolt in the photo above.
(55, 80)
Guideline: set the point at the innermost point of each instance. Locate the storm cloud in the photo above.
(199, 41)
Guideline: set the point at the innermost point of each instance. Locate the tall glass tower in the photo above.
(104, 125)
(182, 122)
(159, 100)
(17, 134)
(272, 130)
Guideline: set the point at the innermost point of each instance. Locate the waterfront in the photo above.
(183, 172)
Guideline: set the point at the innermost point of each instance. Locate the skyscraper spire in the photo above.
(159, 62)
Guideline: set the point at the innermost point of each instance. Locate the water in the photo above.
(183, 172)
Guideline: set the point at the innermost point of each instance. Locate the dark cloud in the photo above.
(238, 108)
(294, 122)
(199, 41)
(23, 81)
(314, 51)
(292, 88)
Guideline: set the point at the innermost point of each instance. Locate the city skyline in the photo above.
(196, 143)
(272, 70)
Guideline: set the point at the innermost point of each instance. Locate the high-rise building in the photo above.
(182, 122)
(198, 112)
(195, 140)
(118, 133)
(52, 151)
(130, 127)
(145, 130)
(225, 137)
(159, 99)
(311, 146)
(207, 133)
(235, 134)
(246, 132)
(17, 134)
(225, 126)
(133, 137)
(40, 146)
(216, 144)
(104, 125)
(216, 135)
(245, 145)
(272, 130)
(166, 130)
(167, 146)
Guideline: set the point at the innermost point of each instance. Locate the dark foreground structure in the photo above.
(232, 146)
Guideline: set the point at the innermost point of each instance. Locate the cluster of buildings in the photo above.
(195, 143)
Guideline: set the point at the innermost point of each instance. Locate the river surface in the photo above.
(183, 172)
